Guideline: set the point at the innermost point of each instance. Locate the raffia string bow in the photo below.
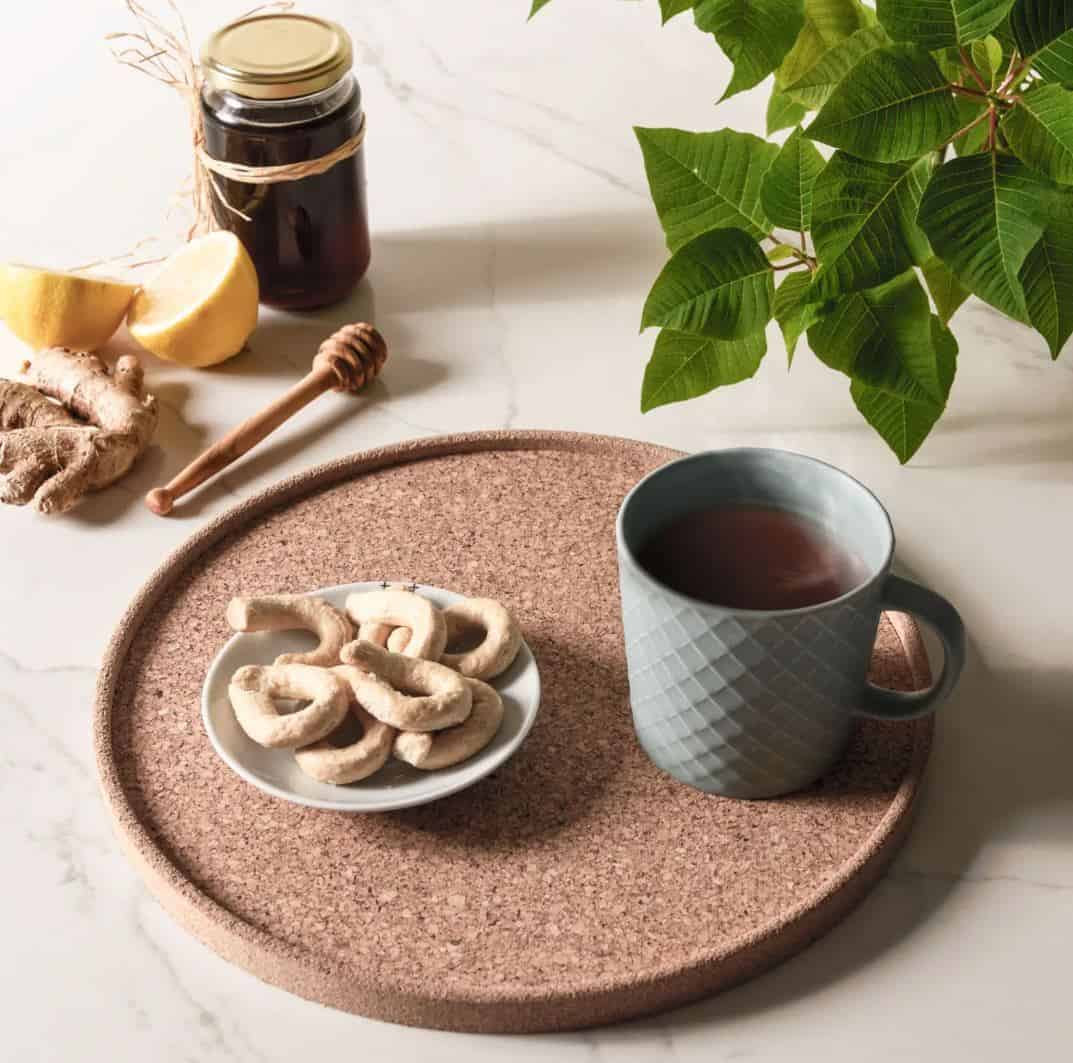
(167, 55)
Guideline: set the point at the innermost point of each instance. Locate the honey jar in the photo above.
(278, 89)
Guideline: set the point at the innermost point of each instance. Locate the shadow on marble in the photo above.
(284, 343)
(1043, 447)
(411, 375)
(283, 346)
(999, 774)
(517, 261)
(1000, 770)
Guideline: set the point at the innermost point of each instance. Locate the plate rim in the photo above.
(488, 763)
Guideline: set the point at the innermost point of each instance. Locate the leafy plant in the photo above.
(952, 174)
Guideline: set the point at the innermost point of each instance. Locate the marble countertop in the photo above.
(513, 243)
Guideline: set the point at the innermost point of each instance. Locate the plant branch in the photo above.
(800, 258)
(968, 128)
(964, 90)
(1013, 71)
(992, 128)
(967, 63)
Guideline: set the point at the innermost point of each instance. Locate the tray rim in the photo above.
(454, 1007)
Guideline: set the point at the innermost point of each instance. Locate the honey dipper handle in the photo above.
(241, 439)
(349, 359)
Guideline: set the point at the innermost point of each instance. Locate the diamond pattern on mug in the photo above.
(749, 702)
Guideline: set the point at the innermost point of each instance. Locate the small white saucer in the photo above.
(396, 785)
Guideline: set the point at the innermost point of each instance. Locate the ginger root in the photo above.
(53, 455)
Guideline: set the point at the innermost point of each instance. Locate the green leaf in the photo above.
(982, 215)
(786, 190)
(684, 366)
(827, 22)
(1037, 23)
(987, 58)
(814, 86)
(949, 62)
(946, 290)
(864, 222)
(905, 423)
(537, 5)
(894, 104)
(976, 138)
(754, 34)
(1055, 62)
(780, 252)
(718, 285)
(835, 20)
(783, 112)
(702, 181)
(883, 338)
(670, 8)
(794, 311)
(1047, 276)
(940, 23)
(1040, 131)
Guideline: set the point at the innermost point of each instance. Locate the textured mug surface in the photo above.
(749, 703)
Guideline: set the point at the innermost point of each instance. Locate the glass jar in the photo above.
(278, 89)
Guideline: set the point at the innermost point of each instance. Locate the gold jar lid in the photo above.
(275, 57)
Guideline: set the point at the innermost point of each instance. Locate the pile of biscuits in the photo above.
(386, 661)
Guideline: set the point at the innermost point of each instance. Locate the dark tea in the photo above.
(751, 557)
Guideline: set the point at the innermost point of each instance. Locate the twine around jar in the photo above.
(288, 171)
(166, 55)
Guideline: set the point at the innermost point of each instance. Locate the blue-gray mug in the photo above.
(749, 703)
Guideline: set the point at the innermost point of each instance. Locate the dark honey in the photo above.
(309, 239)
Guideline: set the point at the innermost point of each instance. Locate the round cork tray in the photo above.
(576, 885)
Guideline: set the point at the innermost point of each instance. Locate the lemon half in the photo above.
(50, 308)
(202, 306)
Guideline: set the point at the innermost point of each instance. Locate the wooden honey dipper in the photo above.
(346, 361)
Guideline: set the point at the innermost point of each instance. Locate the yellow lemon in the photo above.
(49, 308)
(202, 306)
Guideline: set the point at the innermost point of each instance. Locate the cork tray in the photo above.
(577, 885)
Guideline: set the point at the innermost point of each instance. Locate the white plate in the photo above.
(395, 785)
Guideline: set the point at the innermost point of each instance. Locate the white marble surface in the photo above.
(513, 245)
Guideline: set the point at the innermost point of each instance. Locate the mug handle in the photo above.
(904, 596)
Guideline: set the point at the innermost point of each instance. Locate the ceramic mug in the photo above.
(749, 703)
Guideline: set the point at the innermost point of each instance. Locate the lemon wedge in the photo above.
(50, 308)
(201, 307)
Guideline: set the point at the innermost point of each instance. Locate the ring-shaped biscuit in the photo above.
(500, 645)
(399, 608)
(328, 763)
(377, 634)
(441, 749)
(398, 639)
(254, 687)
(385, 636)
(415, 695)
(287, 612)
